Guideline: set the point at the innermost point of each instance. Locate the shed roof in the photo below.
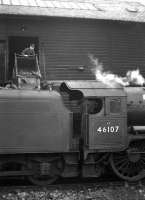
(124, 10)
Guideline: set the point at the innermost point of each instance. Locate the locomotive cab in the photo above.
(103, 124)
(103, 116)
(106, 127)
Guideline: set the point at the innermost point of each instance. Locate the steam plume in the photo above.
(132, 77)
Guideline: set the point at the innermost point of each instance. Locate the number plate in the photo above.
(107, 129)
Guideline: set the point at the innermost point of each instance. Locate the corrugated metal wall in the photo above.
(68, 46)
(128, 48)
(64, 45)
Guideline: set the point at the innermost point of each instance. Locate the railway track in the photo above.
(74, 190)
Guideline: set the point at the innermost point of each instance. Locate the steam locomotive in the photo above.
(75, 128)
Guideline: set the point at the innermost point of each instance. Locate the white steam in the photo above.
(132, 77)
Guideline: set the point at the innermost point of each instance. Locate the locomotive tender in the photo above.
(76, 128)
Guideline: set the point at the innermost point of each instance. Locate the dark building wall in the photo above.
(64, 44)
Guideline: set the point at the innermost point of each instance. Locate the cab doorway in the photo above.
(16, 44)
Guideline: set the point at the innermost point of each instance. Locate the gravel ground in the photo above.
(75, 192)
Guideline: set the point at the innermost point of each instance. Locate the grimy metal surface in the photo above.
(33, 121)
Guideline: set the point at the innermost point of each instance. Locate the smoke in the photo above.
(112, 80)
(134, 77)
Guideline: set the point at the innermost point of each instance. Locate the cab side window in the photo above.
(115, 105)
(94, 106)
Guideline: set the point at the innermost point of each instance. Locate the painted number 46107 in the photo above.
(108, 129)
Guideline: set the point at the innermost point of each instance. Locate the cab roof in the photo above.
(94, 88)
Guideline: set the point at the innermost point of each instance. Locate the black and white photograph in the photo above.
(72, 99)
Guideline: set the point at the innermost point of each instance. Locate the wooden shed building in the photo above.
(66, 32)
